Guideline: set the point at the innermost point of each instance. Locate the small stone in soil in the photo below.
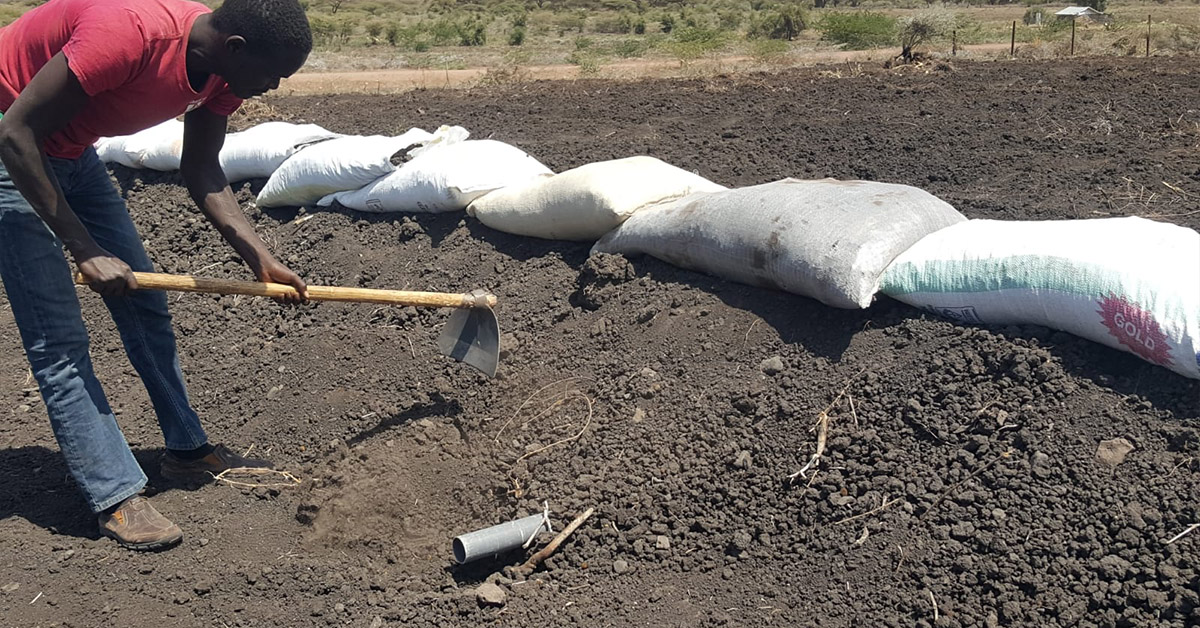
(490, 594)
(772, 365)
(1040, 465)
(1112, 452)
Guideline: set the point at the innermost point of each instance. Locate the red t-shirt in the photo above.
(130, 56)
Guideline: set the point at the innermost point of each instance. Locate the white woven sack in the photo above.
(157, 148)
(444, 178)
(343, 163)
(258, 151)
(586, 202)
(1128, 283)
(829, 240)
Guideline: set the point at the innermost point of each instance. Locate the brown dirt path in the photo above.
(393, 81)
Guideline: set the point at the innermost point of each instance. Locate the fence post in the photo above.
(1147, 35)
(954, 44)
(1072, 36)
(1012, 44)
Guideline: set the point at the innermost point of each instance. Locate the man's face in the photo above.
(254, 74)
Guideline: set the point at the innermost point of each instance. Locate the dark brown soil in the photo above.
(959, 488)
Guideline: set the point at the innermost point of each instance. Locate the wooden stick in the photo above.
(545, 552)
(187, 283)
(870, 512)
(1184, 533)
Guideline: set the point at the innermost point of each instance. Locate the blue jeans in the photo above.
(42, 293)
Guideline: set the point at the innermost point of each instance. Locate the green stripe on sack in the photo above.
(1019, 272)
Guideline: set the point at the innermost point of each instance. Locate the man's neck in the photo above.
(203, 39)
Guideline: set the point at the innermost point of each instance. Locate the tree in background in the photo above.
(921, 28)
(784, 21)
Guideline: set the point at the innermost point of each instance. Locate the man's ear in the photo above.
(235, 44)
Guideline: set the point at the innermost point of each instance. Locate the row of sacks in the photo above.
(306, 165)
(1129, 283)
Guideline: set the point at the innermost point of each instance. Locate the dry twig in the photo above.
(886, 504)
(1184, 533)
(822, 428)
(552, 547)
(289, 480)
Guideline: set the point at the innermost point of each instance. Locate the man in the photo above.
(75, 70)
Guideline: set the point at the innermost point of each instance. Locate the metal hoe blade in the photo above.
(472, 336)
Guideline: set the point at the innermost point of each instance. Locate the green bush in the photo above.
(584, 43)
(573, 22)
(782, 22)
(374, 29)
(517, 36)
(667, 22)
(443, 32)
(323, 29)
(472, 33)
(588, 63)
(859, 30)
(615, 24)
(630, 48)
(639, 27)
(345, 28)
(768, 49)
(392, 34)
(730, 20)
(691, 43)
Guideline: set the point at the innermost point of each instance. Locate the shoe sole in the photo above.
(154, 546)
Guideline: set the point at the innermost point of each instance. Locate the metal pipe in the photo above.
(498, 538)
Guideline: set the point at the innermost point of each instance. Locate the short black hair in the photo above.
(276, 27)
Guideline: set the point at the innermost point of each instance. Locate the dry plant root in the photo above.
(552, 546)
(286, 480)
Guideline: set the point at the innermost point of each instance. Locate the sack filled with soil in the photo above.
(337, 165)
(829, 240)
(258, 151)
(1128, 283)
(444, 178)
(586, 202)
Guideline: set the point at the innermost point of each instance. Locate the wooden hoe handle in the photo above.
(187, 283)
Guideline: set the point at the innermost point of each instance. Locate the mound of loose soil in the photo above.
(959, 486)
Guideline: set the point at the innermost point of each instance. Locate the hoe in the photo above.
(471, 336)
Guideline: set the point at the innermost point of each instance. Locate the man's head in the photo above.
(263, 42)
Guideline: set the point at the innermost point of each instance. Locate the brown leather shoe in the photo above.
(203, 469)
(135, 524)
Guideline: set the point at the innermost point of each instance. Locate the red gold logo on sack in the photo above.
(1135, 328)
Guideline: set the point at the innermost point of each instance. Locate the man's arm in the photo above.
(47, 104)
(203, 136)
